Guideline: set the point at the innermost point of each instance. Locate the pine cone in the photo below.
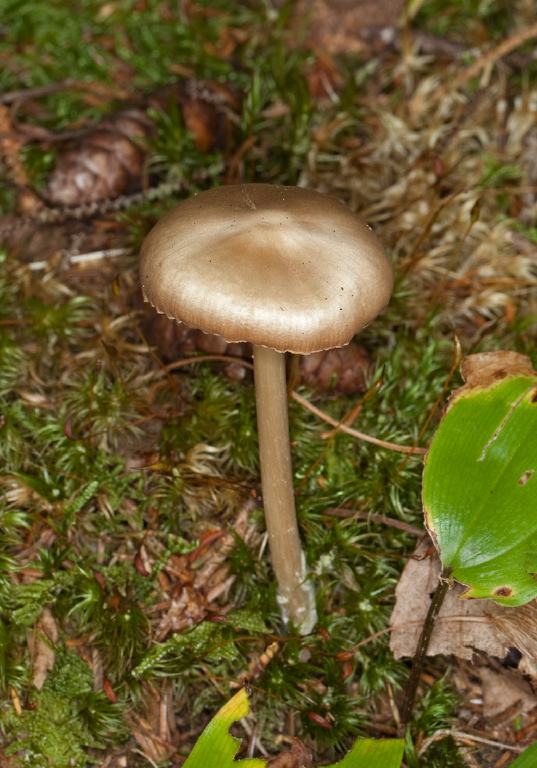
(340, 371)
(106, 161)
(103, 163)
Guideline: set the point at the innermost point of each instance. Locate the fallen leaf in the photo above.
(155, 748)
(338, 27)
(296, 757)
(451, 635)
(502, 690)
(518, 628)
(44, 655)
(193, 582)
(343, 26)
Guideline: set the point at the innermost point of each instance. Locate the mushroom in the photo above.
(289, 270)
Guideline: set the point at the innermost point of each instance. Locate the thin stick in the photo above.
(375, 518)
(35, 93)
(462, 736)
(299, 399)
(354, 432)
(497, 53)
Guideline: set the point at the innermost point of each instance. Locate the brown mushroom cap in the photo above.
(281, 267)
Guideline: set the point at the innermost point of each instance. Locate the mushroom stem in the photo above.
(296, 595)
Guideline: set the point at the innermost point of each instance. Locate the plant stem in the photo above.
(295, 593)
(421, 651)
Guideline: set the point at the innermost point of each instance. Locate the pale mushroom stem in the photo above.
(296, 594)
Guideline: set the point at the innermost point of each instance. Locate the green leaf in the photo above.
(480, 480)
(528, 758)
(371, 753)
(215, 748)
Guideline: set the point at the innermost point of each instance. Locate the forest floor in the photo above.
(136, 589)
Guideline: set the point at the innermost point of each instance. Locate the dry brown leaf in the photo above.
(503, 690)
(154, 732)
(194, 582)
(485, 367)
(339, 26)
(518, 628)
(451, 635)
(209, 110)
(298, 756)
(44, 655)
(152, 745)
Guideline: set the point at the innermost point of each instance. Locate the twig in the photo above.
(354, 432)
(364, 515)
(299, 399)
(35, 93)
(497, 53)
(462, 736)
(81, 258)
(91, 210)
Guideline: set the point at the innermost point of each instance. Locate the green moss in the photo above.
(85, 409)
(65, 718)
(436, 711)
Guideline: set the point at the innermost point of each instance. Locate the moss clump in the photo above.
(63, 719)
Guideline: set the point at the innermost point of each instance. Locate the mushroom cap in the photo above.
(278, 266)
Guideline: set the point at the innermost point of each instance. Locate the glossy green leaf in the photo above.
(215, 748)
(371, 753)
(528, 758)
(480, 480)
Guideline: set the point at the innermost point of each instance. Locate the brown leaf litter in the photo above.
(346, 27)
(463, 627)
(45, 636)
(299, 756)
(482, 636)
(102, 168)
(194, 585)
